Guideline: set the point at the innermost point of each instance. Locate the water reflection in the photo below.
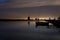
(49, 27)
(29, 23)
(28, 30)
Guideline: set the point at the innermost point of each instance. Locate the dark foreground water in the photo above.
(23, 30)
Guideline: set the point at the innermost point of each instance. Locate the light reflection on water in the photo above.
(26, 25)
(27, 29)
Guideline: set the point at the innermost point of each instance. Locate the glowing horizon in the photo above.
(32, 18)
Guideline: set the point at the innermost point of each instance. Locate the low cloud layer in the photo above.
(33, 3)
(30, 3)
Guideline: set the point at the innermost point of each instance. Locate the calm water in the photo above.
(23, 30)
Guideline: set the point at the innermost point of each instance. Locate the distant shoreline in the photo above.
(16, 20)
(24, 20)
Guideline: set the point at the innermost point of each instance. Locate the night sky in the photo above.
(33, 8)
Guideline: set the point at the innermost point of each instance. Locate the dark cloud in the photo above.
(33, 3)
(41, 11)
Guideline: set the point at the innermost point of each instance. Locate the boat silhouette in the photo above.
(42, 24)
(56, 23)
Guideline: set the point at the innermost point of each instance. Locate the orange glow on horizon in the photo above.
(42, 18)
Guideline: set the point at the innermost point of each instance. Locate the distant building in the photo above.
(28, 18)
(37, 19)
